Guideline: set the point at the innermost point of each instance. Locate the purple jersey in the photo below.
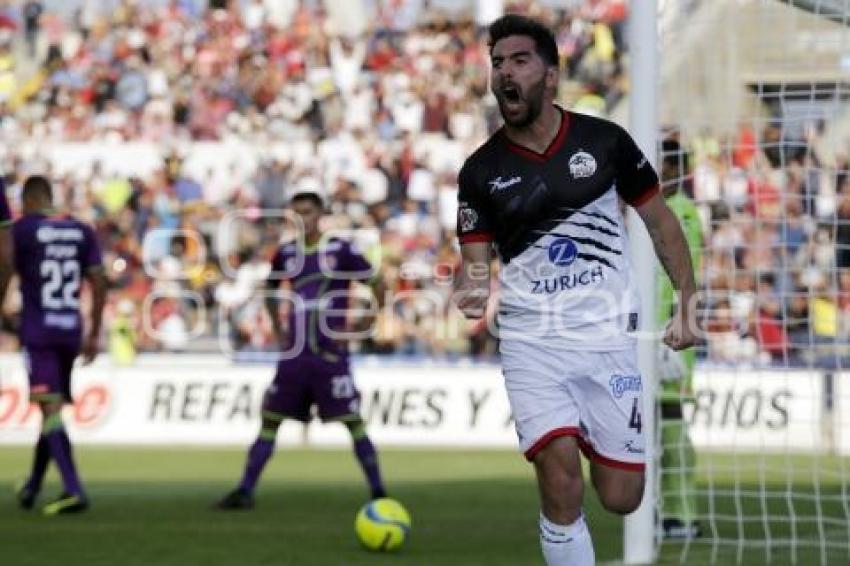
(5, 212)
(52, 255)
(320, 280)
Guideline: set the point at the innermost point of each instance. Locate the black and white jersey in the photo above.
(555, 220)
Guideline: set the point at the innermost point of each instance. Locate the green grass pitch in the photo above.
(151, 507)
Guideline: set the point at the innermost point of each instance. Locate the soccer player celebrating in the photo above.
(318, 274)
(676, 369)
(544, 189)
(52, 254)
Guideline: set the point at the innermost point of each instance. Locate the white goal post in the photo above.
(756, 93)
(639, 531)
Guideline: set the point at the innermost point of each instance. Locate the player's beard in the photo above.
(531, 98)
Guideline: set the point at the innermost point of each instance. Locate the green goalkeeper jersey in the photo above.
(686, 211)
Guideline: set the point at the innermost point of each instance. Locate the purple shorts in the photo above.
(307, 380)
(50, 371)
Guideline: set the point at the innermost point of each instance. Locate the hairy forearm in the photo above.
(472, 285)
(673, 253)
(475, 264)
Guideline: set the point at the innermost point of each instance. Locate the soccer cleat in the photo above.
(25, 495)
(674, 529)
(379, 494)
(66, 504)
(237, 499)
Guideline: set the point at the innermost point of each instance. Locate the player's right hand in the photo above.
(90, 350)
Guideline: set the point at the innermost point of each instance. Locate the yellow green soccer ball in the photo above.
(382, 525)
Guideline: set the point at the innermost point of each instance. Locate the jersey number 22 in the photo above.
(61, 284)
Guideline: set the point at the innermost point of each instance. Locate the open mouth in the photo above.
(511, 93)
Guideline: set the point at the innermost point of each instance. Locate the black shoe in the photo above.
(26, 496)
(237, 499)
(675, 529)
(379, 494)
(66, 504)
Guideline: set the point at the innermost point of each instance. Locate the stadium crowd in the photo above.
(776, 268)
(380, 121)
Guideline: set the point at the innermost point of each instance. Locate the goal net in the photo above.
(755, 132)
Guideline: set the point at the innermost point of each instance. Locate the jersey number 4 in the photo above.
(634, 420)
(60, 284)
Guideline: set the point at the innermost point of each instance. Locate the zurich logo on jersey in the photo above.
(563, 252)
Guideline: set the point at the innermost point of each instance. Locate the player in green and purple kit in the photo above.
(52, 255)
(315, 368)
(678, 458)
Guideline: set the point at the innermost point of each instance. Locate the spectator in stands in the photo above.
(769, 330)
(32, 10)
(377, 118)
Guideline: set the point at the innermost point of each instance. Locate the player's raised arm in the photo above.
(672, 250)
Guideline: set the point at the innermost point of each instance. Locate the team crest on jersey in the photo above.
(582, 165)
(468, 219)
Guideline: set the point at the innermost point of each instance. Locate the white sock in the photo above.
(568, 545)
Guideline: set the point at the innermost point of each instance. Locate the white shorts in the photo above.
(593, 396)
